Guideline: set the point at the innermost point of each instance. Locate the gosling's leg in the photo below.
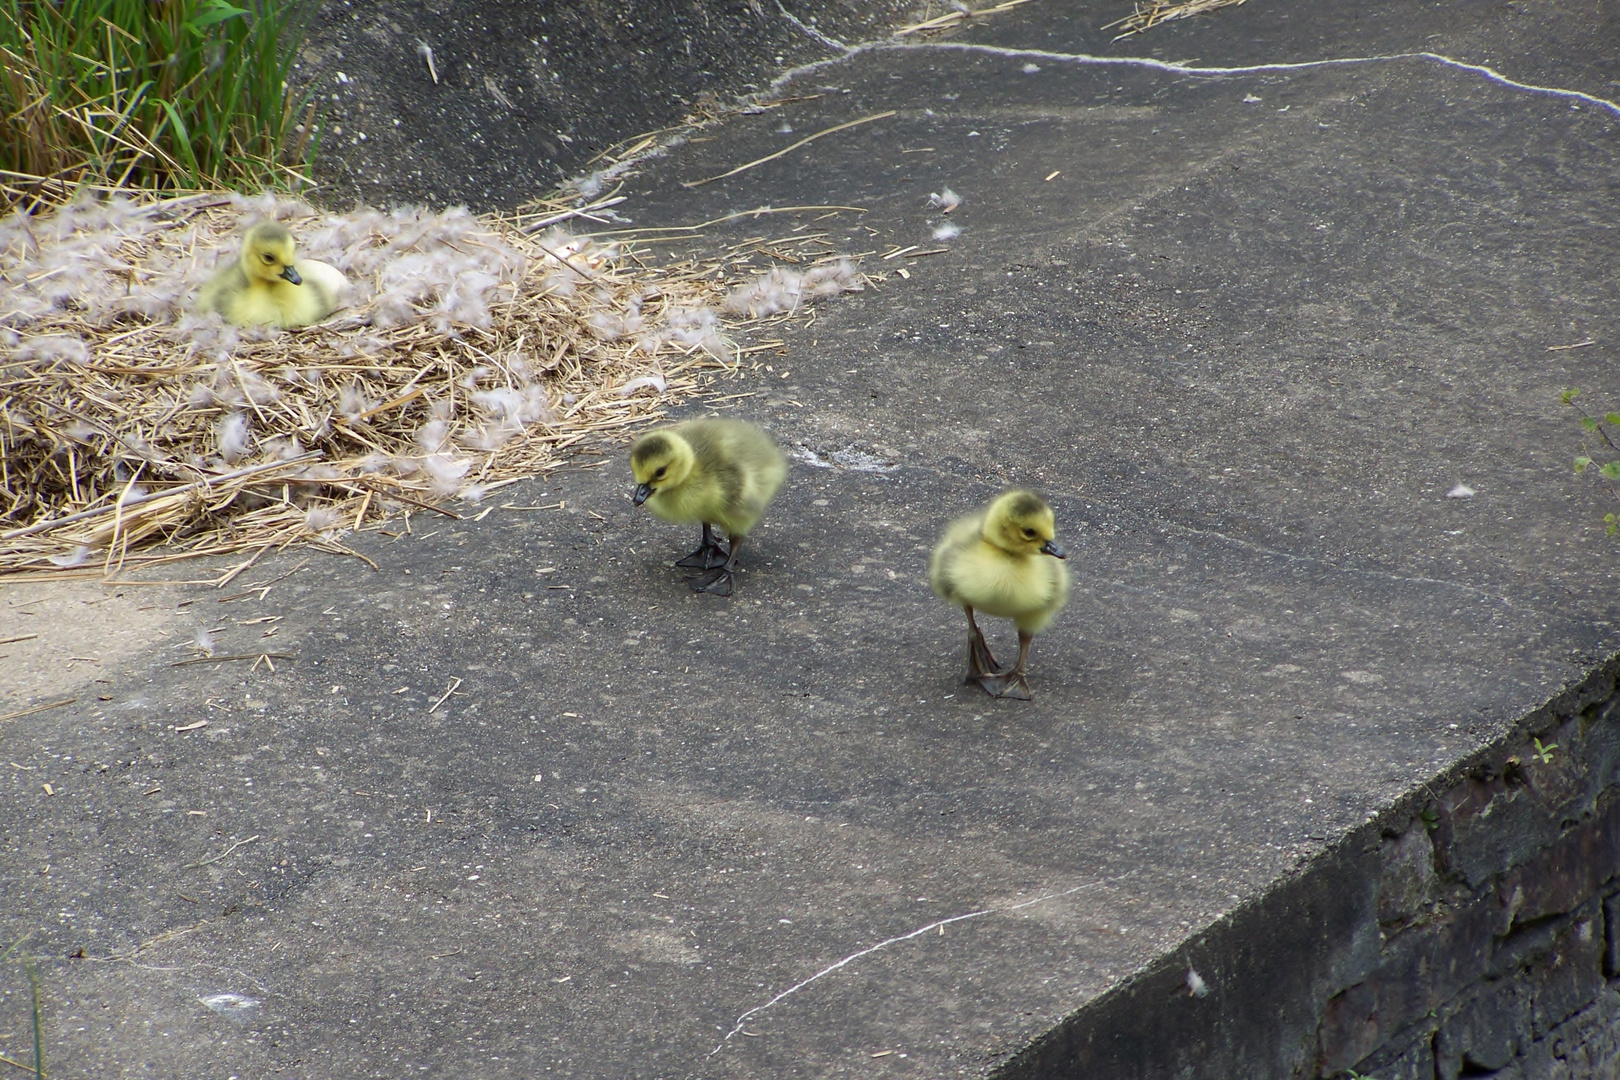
(718, 580)
(981, 665)
(1012, 683)
(709, 554)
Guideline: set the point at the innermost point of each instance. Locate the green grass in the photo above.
(166, 95)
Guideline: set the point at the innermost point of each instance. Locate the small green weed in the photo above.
(1542, 753)
(1599, 427)
(159, 94)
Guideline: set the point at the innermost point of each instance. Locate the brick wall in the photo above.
(1473, 930)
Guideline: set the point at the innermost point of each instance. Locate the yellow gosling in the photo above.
(269, 284)
(712, 472)
(995, 561)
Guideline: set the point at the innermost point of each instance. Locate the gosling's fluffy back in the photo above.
(968, 570)
(253, 290)
(736, 471)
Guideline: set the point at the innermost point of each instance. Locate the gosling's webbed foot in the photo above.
(1010, 682)
(710, 553)
(981, 665)
(1007, 684)
(1015, 687)
(716, 581)
(705, 558)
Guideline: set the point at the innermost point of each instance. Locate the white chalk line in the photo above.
(1174, 67)
(850, 959)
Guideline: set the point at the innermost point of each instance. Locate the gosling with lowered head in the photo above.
(995, 561)
(268, 283)
(712, 472)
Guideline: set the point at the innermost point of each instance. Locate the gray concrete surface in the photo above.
(523, 96)
(1247, 339)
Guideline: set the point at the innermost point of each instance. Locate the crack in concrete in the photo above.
(1341, 569)
(810, 31)
(935, 925)
(622, 168)
(1486, 72)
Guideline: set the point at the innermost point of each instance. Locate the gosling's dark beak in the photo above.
(292, 275)
(642, 491)
(1051, 548)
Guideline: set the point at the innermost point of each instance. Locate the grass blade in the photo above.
(158, 94)
(39, 1041)
(182, 142)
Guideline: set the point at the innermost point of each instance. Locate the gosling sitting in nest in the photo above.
(994, 561)
(713, 472)
(268, 284)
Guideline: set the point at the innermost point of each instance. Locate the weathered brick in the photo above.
(1461, 955)
(1567, 873)
(1501, 818)
(1408, 880)
(1414, 1062)
(1565, 784)
(1611, 936)
(1568, 978)
(1349, 1030)
(1523, 949)
(1465, 839)
(1588, 1043)
(1485, 1032)
(1426, 968)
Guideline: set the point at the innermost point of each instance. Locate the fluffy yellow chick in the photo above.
(995, 561)
(713, 472)
(269, 284)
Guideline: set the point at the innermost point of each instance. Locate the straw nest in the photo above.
(473, 352)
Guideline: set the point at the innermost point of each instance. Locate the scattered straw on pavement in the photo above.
(958, 14)
(1148, 15)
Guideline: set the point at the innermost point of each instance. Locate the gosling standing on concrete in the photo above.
(714, 472)
(268, 284)
(995, 561)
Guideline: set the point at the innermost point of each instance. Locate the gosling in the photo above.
(713, 472)
(268, 284)
(991, 561)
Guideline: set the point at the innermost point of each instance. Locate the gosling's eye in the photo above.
(659, 475)
(1029, 534)
(268, 258)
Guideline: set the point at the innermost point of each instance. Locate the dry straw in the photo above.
(474, 351)
(1145, 16)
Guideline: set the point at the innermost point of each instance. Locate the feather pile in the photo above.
(469, 353)
(783, 290)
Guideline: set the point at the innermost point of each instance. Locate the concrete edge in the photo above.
(1379, 952)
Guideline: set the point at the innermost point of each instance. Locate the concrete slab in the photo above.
(520, 97)
(1247, 339)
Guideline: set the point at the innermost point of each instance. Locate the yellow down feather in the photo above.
(992, 561)
(268, 283)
